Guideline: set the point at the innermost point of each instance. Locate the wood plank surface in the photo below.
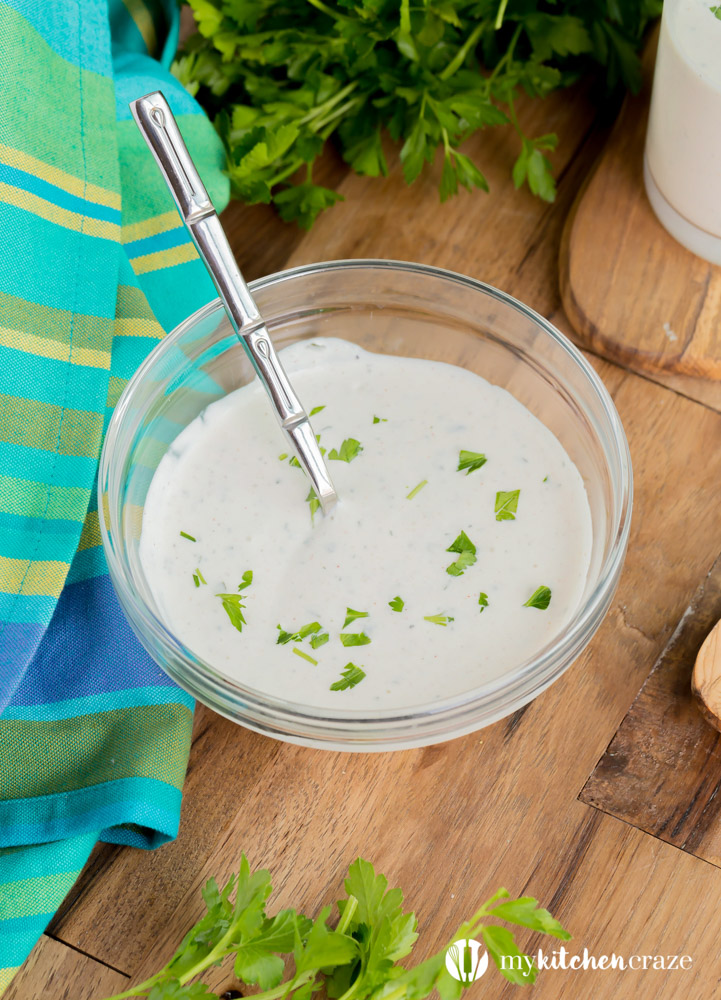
(450, 823)
(614, 247)
(55, 972)
(662, 770)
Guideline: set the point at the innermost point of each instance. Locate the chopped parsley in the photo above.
(483, 601)
(397, 604)
(349, 450)
(283, 457)
(354, 638)
(299, 652)
(380, 420)
(351, 615)
(716, 11)
(233, 603)
(470, 461)
(184, 534)
(466, 555)
(312, 628)
(198, 578)
(313, 502)
(438, 619)
(316, 409)
(319, 640)
(540, 598)
(507, 505)
(417, 489)
(350, 676)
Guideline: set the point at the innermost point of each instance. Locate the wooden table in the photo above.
(505, 806)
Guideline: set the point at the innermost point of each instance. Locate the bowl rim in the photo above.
(420, 724)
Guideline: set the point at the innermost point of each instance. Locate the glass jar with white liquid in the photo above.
(682, 165)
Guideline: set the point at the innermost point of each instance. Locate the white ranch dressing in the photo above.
(223, 483)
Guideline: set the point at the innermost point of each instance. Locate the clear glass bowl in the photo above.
(393, 308)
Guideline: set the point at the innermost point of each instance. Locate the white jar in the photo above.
(682, 165)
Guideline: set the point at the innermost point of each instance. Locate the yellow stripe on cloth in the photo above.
(138, 327)
(20, 340)
(59, 178)
(5, 976)
(151, 227)
(90, 536)
(60, 216)
(164, 258)
(41, 577)
(32, 424)
(143, 22)
(30, 498)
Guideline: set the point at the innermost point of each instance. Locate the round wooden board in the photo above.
(632, 293)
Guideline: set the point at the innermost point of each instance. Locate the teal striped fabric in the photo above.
(95, 267)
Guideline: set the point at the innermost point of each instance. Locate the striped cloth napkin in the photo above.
(94, 267)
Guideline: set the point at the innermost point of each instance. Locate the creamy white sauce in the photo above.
(683, 146)
(223, 483)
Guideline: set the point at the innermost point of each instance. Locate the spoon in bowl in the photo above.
(158, 127)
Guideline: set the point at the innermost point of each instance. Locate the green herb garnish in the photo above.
(313, 502)
(184, 534)
(299, 652)
(354, 638)
(466, 555)
(233, 603)
(397, 604)
(380, 420)
(417, 489)
(438, 619)
(198, 578)
(349, 450)
(319, 640)
(716, 10)
(350, 676)
(507, 505)
(351, 616)
(316, 409)
(470, 461)
(283, 457)
(312, 628)
(361, 953)
(540, 598)
(483, 601)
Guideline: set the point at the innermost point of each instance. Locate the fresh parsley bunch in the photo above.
(356, 960)
(281, 77)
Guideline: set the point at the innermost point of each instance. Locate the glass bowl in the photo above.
(392, 308)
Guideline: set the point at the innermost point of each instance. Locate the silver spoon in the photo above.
(158, 127)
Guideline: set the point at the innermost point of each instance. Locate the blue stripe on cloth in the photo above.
(161, 241)
(103, 702)
(63, 33)
(44, 189)
(24, 462)
(86, 391)
(148, 803)
(30, 613)
(79, 604)
(88, 564)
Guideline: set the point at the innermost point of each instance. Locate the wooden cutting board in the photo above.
(632, 293)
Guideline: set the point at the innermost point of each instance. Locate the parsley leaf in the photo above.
(471, 461)
(349, 450)
(380, 420)
(417, 489)
(351, 616)
(184, 534)
(467, 555)
(316, 409)
(483, 601)
(233, 603)
(438, 619)
(507, 505)
(354, 638)
(198, 578)
(350, 676)
(397, 604)
(540, 598)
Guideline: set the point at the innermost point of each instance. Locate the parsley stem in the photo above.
(499, 16)
(460, 56)
(319, 5)
(321, 109)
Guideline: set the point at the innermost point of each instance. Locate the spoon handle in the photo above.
(155, 120)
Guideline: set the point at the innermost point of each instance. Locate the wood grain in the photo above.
(59, 973)
(450, 823)
(632, 293)
(662, 770)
